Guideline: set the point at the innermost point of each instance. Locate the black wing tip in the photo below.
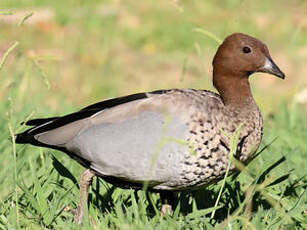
(23, 138)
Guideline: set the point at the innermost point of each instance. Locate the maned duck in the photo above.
(170, 139)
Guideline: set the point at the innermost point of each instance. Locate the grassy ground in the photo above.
(72, 53)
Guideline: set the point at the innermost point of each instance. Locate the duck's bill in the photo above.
(272, 68)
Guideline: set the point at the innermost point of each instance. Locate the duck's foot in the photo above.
(166, 209)
(85, 182)
(167, 199)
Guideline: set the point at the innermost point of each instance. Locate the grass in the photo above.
(73, 53)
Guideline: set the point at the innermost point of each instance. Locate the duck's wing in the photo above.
(45, 125)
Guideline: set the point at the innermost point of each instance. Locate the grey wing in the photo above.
(136, 141)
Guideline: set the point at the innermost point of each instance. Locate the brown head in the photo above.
(236, 59)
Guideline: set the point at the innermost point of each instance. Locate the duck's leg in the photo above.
(85, 182)
(167, 199)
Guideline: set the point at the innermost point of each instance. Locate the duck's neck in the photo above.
(235, 91)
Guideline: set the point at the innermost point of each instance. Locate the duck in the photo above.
(170, 139)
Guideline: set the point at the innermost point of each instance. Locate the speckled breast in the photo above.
(208, 160)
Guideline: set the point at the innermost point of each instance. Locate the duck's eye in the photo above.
(246, 49)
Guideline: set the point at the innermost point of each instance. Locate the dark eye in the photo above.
(246, 49)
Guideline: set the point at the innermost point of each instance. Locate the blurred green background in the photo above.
(90, 50)
(72, 53)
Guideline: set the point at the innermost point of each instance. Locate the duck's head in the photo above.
(241, 54)
(237, 58)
